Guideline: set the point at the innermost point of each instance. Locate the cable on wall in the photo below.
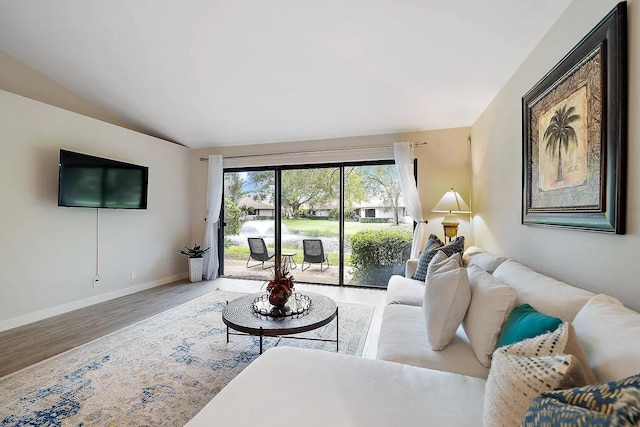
(471, 227)
(96, 279)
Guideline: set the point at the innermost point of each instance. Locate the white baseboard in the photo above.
(65, 308)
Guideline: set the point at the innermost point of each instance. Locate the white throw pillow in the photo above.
(610, 335)
(523, 370)
(491, 304)
(440, 263)
(485, 260)
(446, 298)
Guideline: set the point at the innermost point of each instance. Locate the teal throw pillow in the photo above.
(611, 403)
(525, 322)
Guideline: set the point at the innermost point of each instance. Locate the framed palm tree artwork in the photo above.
(574, 124)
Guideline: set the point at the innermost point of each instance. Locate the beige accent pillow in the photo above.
(485, 260)
(441, 262)
(610, 334)
(521, 371)
(491, 304)
(446, 298)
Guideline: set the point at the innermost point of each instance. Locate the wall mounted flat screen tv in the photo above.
(93, 182)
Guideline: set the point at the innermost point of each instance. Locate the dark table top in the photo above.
(239, 315)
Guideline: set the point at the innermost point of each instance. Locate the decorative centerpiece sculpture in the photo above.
(281, 287)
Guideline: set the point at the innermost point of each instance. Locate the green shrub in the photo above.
(232, 214)
(373, 250)
(375, 220)
(313, 217)
(299, 214)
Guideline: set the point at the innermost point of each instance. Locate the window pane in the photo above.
(310, 223)
(249, 217)
(377, 232)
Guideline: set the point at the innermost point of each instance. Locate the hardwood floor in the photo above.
(32, 343)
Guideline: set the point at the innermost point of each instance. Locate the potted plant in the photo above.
(196, 261)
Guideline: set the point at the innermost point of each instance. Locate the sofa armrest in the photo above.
(411, 267)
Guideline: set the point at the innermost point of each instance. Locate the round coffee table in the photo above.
(240, 316)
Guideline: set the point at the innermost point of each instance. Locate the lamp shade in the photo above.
(451, 202)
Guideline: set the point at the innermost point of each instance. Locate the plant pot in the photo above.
(195, 269)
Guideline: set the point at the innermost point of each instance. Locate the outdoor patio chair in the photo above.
(258, 252)
(314, 254)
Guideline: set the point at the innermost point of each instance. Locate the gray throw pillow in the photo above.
(449, 249)
(427, 255)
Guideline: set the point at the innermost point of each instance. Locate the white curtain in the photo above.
(404, 163)
(214, 204)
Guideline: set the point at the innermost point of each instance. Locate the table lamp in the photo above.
(452, 204)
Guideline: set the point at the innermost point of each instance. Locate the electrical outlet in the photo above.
(96, 282)
(133, 275)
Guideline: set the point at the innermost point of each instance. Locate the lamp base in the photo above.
(450, 224)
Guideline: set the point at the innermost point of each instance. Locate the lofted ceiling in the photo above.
(208, 73)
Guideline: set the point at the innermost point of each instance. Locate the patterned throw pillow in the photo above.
(449, 249)
(521, 371)
(432, 243)
(612, 403)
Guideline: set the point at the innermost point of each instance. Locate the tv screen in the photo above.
(93, 182)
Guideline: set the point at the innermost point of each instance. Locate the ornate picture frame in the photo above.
(574, 126)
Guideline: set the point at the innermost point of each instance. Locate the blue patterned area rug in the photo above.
(158, 372)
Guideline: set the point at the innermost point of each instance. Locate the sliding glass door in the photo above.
(378, 234)
(249, 224)
(334, 224)
(310, 212)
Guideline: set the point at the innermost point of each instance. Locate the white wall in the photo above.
(48, 253)
(598, 262)
(443, 163)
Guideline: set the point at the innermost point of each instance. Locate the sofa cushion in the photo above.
(411, 267)
(521, 371)
(446, 299)
(322, 388)
(543, 293)
(425, 258)
(403, 339)
(526, 322)
(485, 260)
(613, 403)
(609, 333)
(403, 290)
(491, 303)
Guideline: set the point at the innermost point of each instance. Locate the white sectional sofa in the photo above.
(413, 385)
(403, 325)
